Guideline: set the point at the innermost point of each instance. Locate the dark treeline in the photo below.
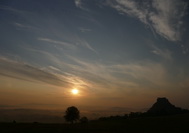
(132, 115)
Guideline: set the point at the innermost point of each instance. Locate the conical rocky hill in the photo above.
(164, 107)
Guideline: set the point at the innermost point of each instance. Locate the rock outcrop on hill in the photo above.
(164, 107)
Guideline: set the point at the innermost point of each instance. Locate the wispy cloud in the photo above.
(76, 40)
(68, 45)
(20, 25)
(164, 16)
(78, 3)
(19, 70)
(97, 75)
(8, 8)
(84, 43)
(122, 75)
(60, 68)
(84, 29)
(26, 26)
(165, 54)
(54, 68)
(167, 22)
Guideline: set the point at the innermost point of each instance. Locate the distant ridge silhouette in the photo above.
(164, 107)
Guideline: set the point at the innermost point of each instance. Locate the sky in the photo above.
(118, 54)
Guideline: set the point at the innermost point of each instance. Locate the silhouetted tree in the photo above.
(72, 114)
(14, 121)
(84, 120)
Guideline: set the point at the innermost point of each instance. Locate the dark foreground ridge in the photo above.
(159, 124)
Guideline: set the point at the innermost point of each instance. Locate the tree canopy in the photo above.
(72, 114)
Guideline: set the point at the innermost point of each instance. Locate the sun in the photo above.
(75, 91)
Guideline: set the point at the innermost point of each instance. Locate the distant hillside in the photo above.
(164, 107)
(31, 115)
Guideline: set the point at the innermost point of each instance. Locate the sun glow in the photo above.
(75, 91)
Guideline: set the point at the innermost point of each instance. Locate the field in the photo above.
(163, 124)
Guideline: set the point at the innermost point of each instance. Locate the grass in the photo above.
(161, 124)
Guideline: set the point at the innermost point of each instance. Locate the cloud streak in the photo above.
(165, 54)
(78, 3)
(65, 44)
(164, 16)
(84, 43)
(121, 75)
(76, 40)
(7, 8)
(27, 72)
